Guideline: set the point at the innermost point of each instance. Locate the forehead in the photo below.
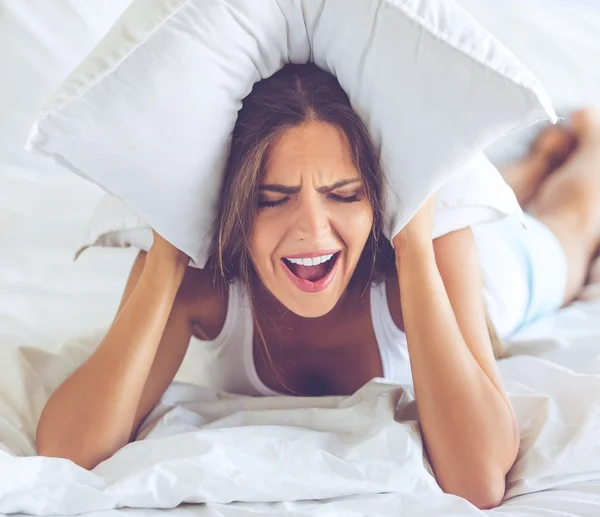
(315, 148)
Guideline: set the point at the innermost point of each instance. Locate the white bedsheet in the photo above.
(53, 311)
(201, 446)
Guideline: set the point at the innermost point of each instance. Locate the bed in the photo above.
(259, 457)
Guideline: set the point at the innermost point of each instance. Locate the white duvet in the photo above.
(199, 446)
(284, 456)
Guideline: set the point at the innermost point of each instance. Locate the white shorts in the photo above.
(524, 271)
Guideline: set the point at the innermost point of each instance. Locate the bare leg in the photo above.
(549, 151)
(568, 201)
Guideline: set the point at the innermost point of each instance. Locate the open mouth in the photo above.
(312, 269)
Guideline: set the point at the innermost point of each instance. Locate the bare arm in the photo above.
(96, 410)
(467, 421)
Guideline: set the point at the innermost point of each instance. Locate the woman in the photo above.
(306, 297)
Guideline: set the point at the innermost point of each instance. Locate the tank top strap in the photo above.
(254, 384)
(228, 357)
(393, 346)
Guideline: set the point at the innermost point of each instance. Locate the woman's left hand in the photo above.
(418, 232)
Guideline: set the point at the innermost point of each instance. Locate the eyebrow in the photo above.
(286, 189)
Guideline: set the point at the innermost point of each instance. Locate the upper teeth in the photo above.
(315, 261)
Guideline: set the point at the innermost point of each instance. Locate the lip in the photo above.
(312, 254)
(306, 285)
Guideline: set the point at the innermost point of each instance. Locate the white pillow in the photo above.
(476, 195)
(40, 43)
(148, 115)
(43, 207)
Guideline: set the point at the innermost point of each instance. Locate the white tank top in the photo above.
(229, 358)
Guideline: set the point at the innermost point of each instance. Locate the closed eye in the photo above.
(265, 203)
(345, 199)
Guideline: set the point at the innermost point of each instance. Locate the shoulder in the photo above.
(204, 297)
(201, 299)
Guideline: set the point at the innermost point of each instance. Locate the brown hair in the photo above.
(295, 95)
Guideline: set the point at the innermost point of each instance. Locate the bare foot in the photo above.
(575, 186)
(549, 151)
(586, 125)
(568, 200)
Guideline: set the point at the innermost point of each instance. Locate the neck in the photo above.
(290, 329)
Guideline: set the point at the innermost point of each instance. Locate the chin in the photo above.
(319, 306)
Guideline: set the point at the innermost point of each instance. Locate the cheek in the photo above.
(355, 224)
(264, 239)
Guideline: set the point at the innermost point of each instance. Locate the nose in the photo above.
(312, 221)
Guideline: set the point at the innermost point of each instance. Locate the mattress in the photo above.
(53, 311)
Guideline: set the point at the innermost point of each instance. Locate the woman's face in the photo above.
(313, 219)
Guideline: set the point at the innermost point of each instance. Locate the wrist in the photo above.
(415, 250)
(417, 272)
(167, 265)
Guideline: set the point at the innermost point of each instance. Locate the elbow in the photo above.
(481, 481)
(485, 495)
(86, 447)
(483, 491)
(79, 453)
(80, 458)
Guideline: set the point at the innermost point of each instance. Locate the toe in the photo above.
(554, 144)
(586, 124)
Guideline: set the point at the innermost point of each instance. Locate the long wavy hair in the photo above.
(295, 95)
